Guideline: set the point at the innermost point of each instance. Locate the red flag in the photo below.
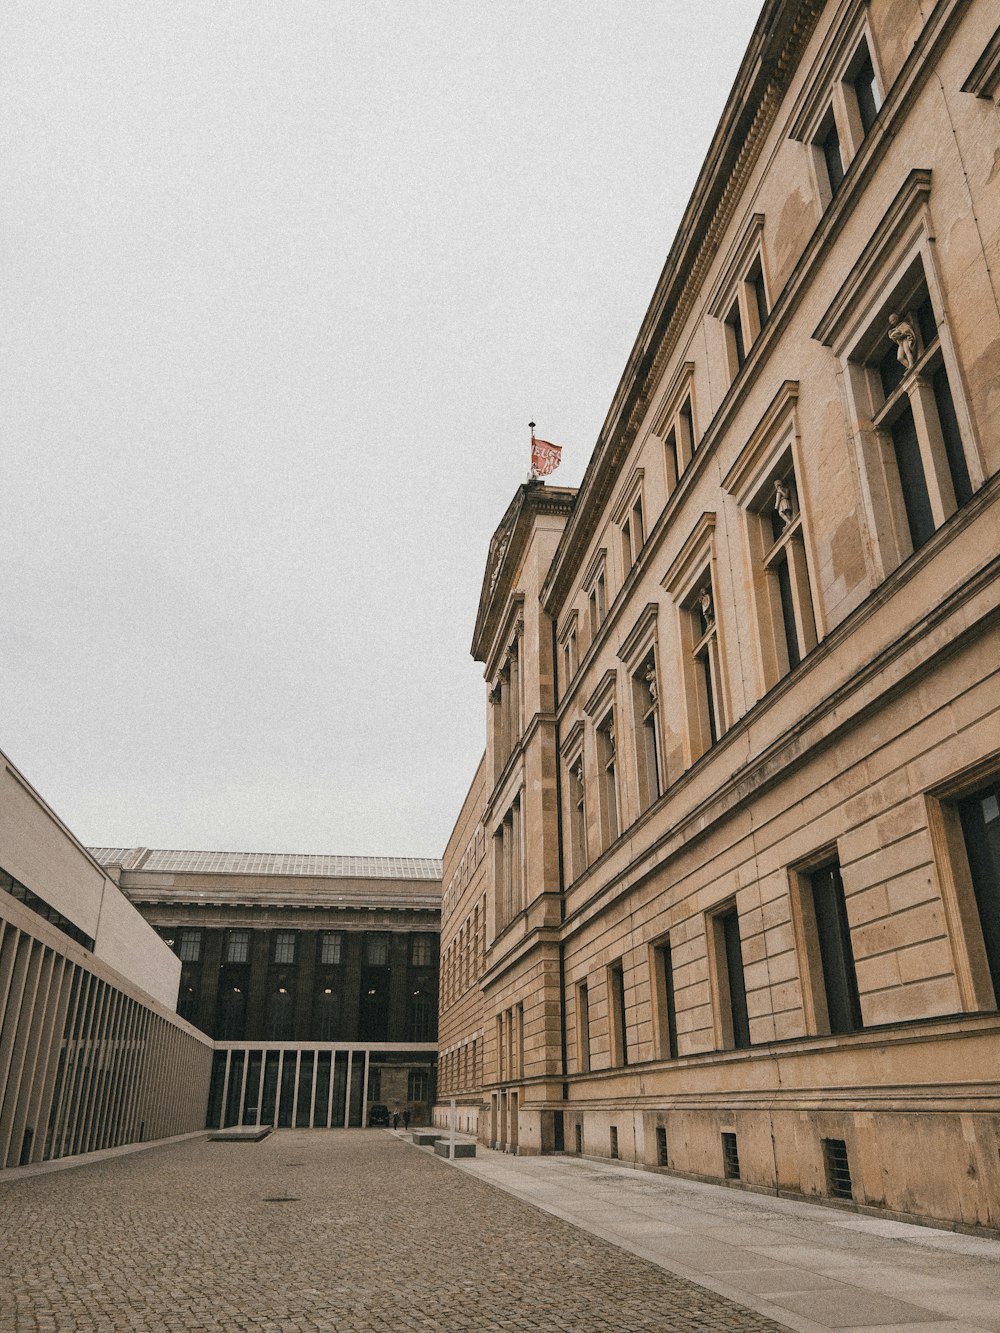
(544, 457)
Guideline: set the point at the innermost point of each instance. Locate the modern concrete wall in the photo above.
(40, 851)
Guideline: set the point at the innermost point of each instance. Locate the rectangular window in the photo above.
(663, 990)
(597, 602)
(237, 946)
(284, 946)
(861, 79)
(705, 677)
(735, 339)
(582, 1028)
(578, 816)
(189, 946)
(331, 948)
(730, 984)
(377, 950)
(829, 146)
(617, 1015)
(417, 1085)
(980, 820)
(578, 1136)
(645, 694)
(420, 951)
(913, 411)
(833, 937)
(607, 776)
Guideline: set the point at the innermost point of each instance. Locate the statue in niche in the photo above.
(611, 736)
(650, 678)
(577, 772)
(706, 607)
(783, 502)
(902, 334)
(502, 545)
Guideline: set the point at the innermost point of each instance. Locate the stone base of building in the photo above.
(468, 1117)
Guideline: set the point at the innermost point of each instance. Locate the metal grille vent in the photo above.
(662, 1157)
(614, 1140)
(730, 1157)
(838, 1171)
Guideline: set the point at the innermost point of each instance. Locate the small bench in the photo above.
(442, 1148)
(241, 1134)
(425, 1138)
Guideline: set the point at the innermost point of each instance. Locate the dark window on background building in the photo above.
(833, 934)
(325, 1014)
(376, 950)
(422, 1019)
(237, 946)
(417, 1085)
(980, 816)
(189, 945)
(668, 1015)
(232, 1013)
(280, 1007)
(421, 954)
(618, 1015)
(331, 948)
(284, 946)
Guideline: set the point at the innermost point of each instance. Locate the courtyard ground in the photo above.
(359, 1230)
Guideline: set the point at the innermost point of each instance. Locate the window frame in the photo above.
(676, 428)
(641, 656)
(854, 325)
(773, 454)
(630, 517)
(735, 303)
(575, 785)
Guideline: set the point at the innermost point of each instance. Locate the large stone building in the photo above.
(316, 976)
(725, 895)
(92, 1052)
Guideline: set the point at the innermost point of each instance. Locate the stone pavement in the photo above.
(809, 1267)
(326, 1230)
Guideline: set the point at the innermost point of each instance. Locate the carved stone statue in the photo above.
(651, 685)
(901, 333)
(705, 605)
(611, 736)
(577, 772)
(783, 502)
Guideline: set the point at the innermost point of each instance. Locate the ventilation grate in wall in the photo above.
(730, 1157)
(838, 1171)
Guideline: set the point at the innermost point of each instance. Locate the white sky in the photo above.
(283, 284)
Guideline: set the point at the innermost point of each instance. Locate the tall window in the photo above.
(833, 939)
(839, 115)
(731, 987)
(582, 1027)
(237, 946)
(422, 1019)
(331, 948)
(577, 816)
(779, 569)
(629, 514)
(617, 1014)
(666, 1006)
(376, 950)
(646, 695)
(741, 302)
(597, 600)
(980, 817)
(421, 954)
(280, 1007)
(914, 413)
(417, 1085)
(189, 945)
(607, 759)
(676, 428)
(284, 946)
(325, 1011)
(705, 673)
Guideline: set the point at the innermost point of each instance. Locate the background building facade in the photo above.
(92, 1053)
(316, 976)
(740, 811)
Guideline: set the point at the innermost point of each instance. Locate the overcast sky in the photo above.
(283, 283)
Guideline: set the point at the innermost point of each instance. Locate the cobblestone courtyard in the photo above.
(348, 1231)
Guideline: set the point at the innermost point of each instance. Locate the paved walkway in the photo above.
(808, 1267)
(355, 1231)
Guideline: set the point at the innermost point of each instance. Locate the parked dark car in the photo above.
(378, 1114)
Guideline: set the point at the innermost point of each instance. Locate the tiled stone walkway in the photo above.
(373, 1235)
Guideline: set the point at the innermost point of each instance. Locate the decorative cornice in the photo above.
(779, 414)
(640, 634)
(604, 687)
(781, 34)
